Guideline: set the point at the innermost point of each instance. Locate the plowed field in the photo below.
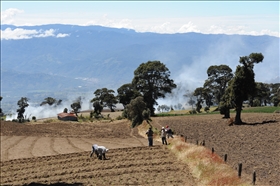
(57, 153)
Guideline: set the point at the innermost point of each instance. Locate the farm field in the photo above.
(57, 153)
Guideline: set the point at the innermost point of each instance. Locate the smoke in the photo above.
(226, 52)
(47, 111)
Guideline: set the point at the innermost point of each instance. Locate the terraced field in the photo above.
(57, 153)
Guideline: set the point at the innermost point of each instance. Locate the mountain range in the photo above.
(84, 58)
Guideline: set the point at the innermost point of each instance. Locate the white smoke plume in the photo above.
(47, 111)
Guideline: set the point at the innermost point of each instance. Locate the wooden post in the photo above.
(239, 170)
(203, 143)
(254, 177)
(225, 158)
(185, 138)
(196, 142)
(213, 150)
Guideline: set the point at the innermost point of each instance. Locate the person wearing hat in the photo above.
(169, 132)
(99, 151)
(163, 136)
(150, 134)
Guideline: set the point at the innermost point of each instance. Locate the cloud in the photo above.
(190, 27)
(62, 35)
(7, 16)
(241, 30)
(20, 33)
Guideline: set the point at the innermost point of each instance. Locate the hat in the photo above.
(166, 126)
(162, 127)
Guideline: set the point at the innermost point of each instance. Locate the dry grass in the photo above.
(207, 167)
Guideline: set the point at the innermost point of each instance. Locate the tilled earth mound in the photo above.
(129, 166)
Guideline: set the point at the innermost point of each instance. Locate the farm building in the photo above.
(67, 116)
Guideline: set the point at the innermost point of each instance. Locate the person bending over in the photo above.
(100, 151)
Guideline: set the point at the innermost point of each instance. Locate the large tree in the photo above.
(136, 111)
(152, 80)
(106, 98)
(126, 93)
(218, 78)
(243, 83)
(51, 101)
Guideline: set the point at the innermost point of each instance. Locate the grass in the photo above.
(267, 109)
(207, 167)
(263, 109)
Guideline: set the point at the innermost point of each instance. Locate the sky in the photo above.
(215, 17)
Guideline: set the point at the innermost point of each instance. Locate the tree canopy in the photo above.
(22, 103)
(137, 111)
(243, 83)
(126, 93)
(152, 80)
(106, 98)
(51, 101)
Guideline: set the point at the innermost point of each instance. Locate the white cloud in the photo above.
(62, 35)
(20, 33)
(7, 16)
(241, 30)
(190, 27)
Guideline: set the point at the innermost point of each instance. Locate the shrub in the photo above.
(34, 118)
(193, 111)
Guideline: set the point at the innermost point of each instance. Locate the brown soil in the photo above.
(255, 144)
(57, 153)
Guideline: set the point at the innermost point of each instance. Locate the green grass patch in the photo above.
(264, 109)
(267, 109)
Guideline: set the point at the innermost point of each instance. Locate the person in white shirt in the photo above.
(99, 151)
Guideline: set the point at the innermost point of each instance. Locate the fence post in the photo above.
(225, 158)
(239, 170)
(196, 142)
(185, 138)
(203, 143)
(254, 177)
(213, 150)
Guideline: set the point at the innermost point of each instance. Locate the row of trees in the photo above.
(152, 81)
(228, 90)
(223, 88)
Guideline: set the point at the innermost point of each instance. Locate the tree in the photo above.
(198, 92)
(126, 93)
(262, 94)
(50, 101)
(76, 106)
(190, 95)
(97, 107)
(106, 98)
(1, 114)
(275, 93)
(22, 103)
(243, 83)
(137, 111)
(152, 80)
(218, 78)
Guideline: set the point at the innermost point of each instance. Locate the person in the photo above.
(100, 151)
(163, 136)
(169, 132)
(150, 134)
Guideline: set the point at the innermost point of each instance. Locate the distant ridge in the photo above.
(92, 57)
